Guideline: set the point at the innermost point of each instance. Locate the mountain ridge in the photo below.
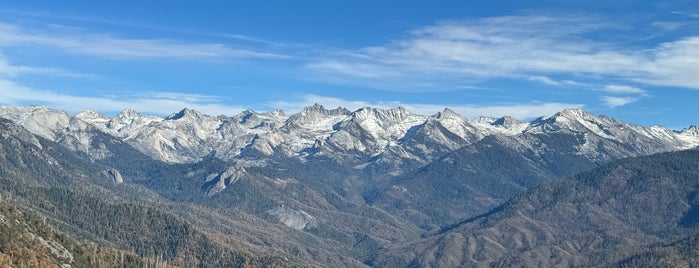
(188, 135)
(315, 183)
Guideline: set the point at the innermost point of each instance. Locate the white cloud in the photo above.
(692, 15)
(623, 89)
(672, 64)
(624, 95)
(10, 70)
(545, 80)
(551, 82)
(161, 103)
(668, 25)
(530, 47)
(95, 44)
(614, 102)
(517, 110)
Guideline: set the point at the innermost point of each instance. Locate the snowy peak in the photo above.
(319, 109)
(22, 113)
(316, 118)
(128, 114)
(88, 114)
(189, 135)
(315, 108)
(576, 120)
(123, 124)
(379, 120)
(278, 113)
(247, 116)
(506, 122)
(484, 120)
(505, 125)
(388, 116)
(572, 113)
(312, 115)
(565, 117)
(254, 119)
(371, 130)
(448, 114)
(185, 113)
(692, 130)
(40, 120)
(456, 124)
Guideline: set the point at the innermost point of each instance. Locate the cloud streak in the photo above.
(160, 103)
(95, 44)
(613, 102)
(623, 89)
(624, 95)
(530, 47)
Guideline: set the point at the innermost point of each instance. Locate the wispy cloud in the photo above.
(681, 13)
(624, 95)
(8, 70)
(614, 102)
(623, 89)
(668, 25)
(530, 47)
(14, 71)
(103, 45)
(545, 80)
(161, 103)
(672, 64)
(518, 110)
(551, 82)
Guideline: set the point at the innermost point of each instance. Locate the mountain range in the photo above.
(377, 187)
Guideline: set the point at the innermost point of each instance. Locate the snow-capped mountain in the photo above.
(386, 134)
(321, 180)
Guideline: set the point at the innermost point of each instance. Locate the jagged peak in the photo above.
(363, 112)
(485, 119)
(398, 112)
(448, 113)
(247, 112)
(186, 112)
(340, 111)
(34, 108)
(691, 130)
(246, 115)
(566, 116)
(400, 108)
(506, 121)
(316, 107)
(278, 113)
(37, 107)
(574, 113)
(274, 115)
(89, 114)
(40, 108)
(254, 117)
(128, 113)
(320, 109)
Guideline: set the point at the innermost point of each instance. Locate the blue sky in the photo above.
(634, 60)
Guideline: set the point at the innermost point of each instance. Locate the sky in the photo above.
(633, 60)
